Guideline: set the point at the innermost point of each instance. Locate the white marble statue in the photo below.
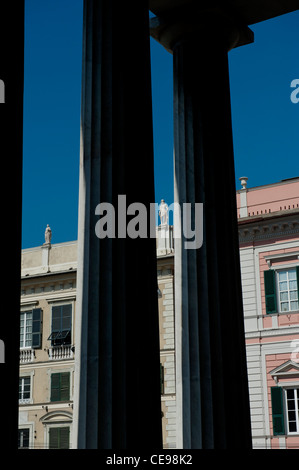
(48, 234)
(163, 212)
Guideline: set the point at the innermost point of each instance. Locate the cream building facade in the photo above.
(48, 345)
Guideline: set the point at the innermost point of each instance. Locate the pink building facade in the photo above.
(268, 220)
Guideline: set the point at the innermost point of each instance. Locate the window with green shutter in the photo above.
(270, 291)
(287, 295)
(31, 329)
(277, 411)
(60, 386)
(59, 437)
(36, 328)
(61, 330)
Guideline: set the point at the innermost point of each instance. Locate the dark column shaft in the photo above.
(215, 404)
(118, 387)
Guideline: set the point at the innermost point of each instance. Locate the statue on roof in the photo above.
(48, 235)
(163, 212)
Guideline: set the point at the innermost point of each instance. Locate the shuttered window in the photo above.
(282, 290)
(36, 328)
(60, 386)
(270, 291)
(287, 290)
(26, 329)
(292, 409)
(61, 325)
(59, 437)
(31, 329)
(277, 411)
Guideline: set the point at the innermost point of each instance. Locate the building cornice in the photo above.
(266, 333)
(268, 226)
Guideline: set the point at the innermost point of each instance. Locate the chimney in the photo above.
(243, 197)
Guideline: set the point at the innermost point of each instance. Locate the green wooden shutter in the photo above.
(37, 328)
(60, 386)
(66, 317)
(270, 291)
(297, 274)
(277, 411)
(54, 438)
(55, 387)
(64, 386)
(56, 318)
(64, 438)
(59, 438)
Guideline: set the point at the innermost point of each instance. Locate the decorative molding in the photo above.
(28, 303)
(280, 257)
(57, 297)
(290, 330)
(264, 229)
(65, 416)
(287, 370)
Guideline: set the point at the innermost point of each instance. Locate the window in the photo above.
(59, 437)
(60, 386)
(26, 329)
(287, 290)
(292, 409)
(24, 389)
(30, 328)
(281, 290)
(23, 438)
(285, 410)
(61, 325)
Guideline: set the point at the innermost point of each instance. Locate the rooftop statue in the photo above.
(163, 212)
(48, 234)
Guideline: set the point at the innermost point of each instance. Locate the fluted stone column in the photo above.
(117, 376)
(211, 375)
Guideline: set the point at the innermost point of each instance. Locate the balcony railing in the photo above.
(59, 353)
(26, 355)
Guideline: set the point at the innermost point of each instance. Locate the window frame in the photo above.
(61, 337)
(21, 430)
(22, 400)
(24, 375)
(286, 410)
(60, 373)
(286, 269)
(25, 312)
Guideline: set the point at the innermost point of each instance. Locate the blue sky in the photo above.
(265, 121)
